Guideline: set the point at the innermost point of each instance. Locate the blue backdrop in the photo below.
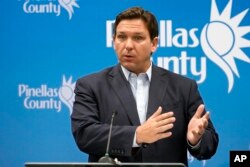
(47, 44)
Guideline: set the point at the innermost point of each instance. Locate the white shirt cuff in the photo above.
(134, 142)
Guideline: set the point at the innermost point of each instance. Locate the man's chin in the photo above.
(129, 66)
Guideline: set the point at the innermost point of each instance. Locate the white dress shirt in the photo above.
(140, 87)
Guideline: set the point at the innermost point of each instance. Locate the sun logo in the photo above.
(68, 6)
(66, 93)
(222, 40)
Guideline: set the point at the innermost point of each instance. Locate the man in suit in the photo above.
(160, 115)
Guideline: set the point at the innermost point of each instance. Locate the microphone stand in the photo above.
(106, 158)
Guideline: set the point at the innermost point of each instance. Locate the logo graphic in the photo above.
(66, 93)
(68, 6)
(45, 97)
(222, 40)
(49, 6)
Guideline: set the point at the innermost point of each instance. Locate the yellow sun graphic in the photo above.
(222, 40)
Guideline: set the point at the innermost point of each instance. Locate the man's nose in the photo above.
(129, 44)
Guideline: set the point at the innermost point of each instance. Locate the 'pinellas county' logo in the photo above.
(222, 40)
(45, 97)
(50, 7)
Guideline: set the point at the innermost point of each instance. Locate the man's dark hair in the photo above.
(139, 13)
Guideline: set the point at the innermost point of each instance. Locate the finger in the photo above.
(205, 123)
(166, 121)
(163, 135)
(164, 128)
(156, 113)
(164, 116)
(205, 119)
(197, 133)
(201, 129)
(206, 116)
(199, 111)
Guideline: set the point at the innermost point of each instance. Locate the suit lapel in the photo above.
(122, 89)
(158, 86)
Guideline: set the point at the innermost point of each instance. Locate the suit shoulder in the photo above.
(95, 76)
(171, 76)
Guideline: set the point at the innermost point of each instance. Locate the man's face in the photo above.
(133, 45)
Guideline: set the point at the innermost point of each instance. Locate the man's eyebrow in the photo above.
(135, 33)
(121, 32)
(139, 33)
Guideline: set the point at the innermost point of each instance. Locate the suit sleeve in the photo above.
(90, 131)
(210, 139)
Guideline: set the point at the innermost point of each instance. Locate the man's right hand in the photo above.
(157, 127)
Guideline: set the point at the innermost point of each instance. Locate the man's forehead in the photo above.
(135, 25)
(132, 23)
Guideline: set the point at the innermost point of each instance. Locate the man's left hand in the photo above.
(197, 126)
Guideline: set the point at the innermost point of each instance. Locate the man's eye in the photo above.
(121, 37)
(138, 38)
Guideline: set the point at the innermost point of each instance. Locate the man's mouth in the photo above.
(128, 57)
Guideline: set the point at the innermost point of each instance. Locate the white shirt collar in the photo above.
(127, 72)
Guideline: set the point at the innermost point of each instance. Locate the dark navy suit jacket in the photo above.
(98, 95)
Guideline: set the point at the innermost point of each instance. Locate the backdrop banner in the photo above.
(46, 45)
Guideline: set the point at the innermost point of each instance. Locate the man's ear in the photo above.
(154, 44)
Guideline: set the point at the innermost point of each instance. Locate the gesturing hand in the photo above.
(156, 127)
(197, 125)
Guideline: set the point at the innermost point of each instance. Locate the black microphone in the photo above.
(106, 158)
